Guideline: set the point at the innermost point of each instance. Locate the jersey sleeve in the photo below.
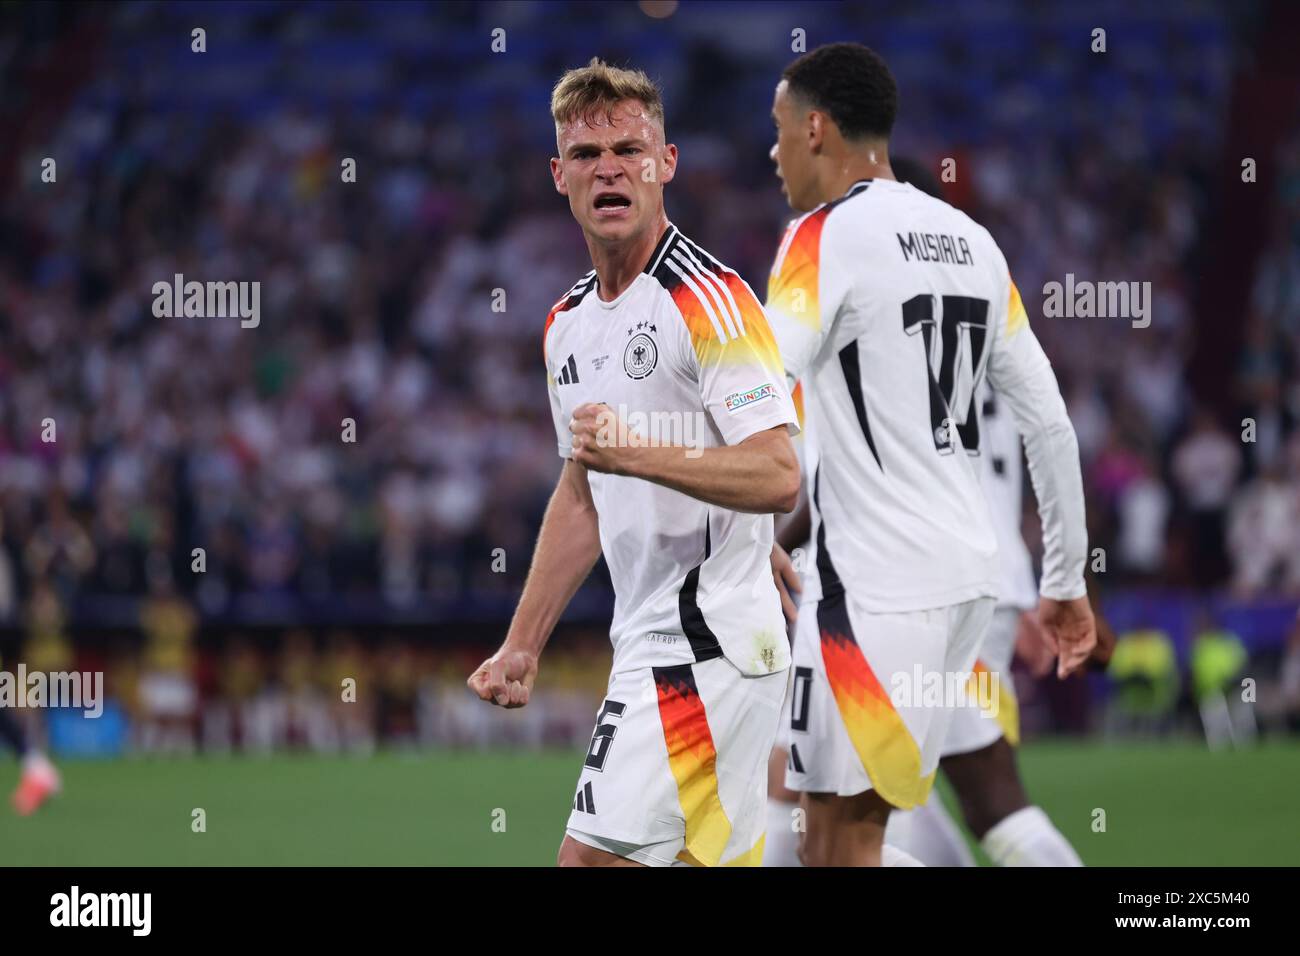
(735, 356)
(1019, 371)
(805, 291)
(563, 437)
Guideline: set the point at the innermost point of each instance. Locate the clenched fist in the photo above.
(506, 678)
(601, 440)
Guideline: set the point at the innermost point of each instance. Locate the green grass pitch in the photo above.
(1165, 804)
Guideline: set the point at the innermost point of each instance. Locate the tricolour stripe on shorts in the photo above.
(883, 743)
(1007, 713)
(693, 760)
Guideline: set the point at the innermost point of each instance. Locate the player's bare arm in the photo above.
(759, 475)
(567, 548)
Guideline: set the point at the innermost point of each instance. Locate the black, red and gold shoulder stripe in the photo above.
(793, 284)
(577, 292)
(714, 301)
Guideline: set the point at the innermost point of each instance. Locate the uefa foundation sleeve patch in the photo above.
(738, 400)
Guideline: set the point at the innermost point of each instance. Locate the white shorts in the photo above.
(874, 694)
(974, 728)
(677, 767)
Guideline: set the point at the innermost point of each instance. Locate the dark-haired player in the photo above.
(893, 307)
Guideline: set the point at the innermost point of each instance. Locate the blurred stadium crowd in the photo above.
(380, 298)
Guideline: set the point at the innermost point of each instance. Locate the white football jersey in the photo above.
(1002, 475)
(685, 356)
(893, 306)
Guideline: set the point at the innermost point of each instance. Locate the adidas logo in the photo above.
(585, 802)
(794, 763)
(568, 373)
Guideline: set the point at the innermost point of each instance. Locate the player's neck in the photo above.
(870, 161)
(618, 264)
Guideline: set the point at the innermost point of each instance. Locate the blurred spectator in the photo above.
(1206, 465)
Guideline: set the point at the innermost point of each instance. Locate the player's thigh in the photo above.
(776, 764)
(574, 853)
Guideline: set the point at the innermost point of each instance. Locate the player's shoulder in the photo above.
(711, 297)
(577, 292)
(960, 221)
(802, 241)
(570, 300)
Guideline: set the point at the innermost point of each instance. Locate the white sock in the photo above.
(929, 834)
(36, 760)
(1027, 838)
(893, 856)
(781, 846)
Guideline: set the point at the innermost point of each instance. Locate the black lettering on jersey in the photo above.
(930, 247)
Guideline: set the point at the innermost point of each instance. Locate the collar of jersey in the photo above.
(654, 257)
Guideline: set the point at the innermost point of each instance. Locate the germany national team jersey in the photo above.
(892, 306)
(1002, 474)
(685, 357)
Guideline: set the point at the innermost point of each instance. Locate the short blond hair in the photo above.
(595, 89)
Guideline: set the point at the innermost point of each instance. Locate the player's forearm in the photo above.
(1052, 452)
(758, 477)
(795, 530)
(567, 548)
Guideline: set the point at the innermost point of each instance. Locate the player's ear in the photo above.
(668, 163)
(816, 131)
(557, 173)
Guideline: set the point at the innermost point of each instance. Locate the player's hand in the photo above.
(506, 678)
(1032, 645)
(1071, 632)
(1100, 658)
(601, 440)
(787, 582)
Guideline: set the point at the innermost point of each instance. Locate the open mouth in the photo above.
(612, 201)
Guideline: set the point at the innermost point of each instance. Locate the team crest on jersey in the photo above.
(640, 356)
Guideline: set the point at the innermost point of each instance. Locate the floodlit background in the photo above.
(395, 559)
